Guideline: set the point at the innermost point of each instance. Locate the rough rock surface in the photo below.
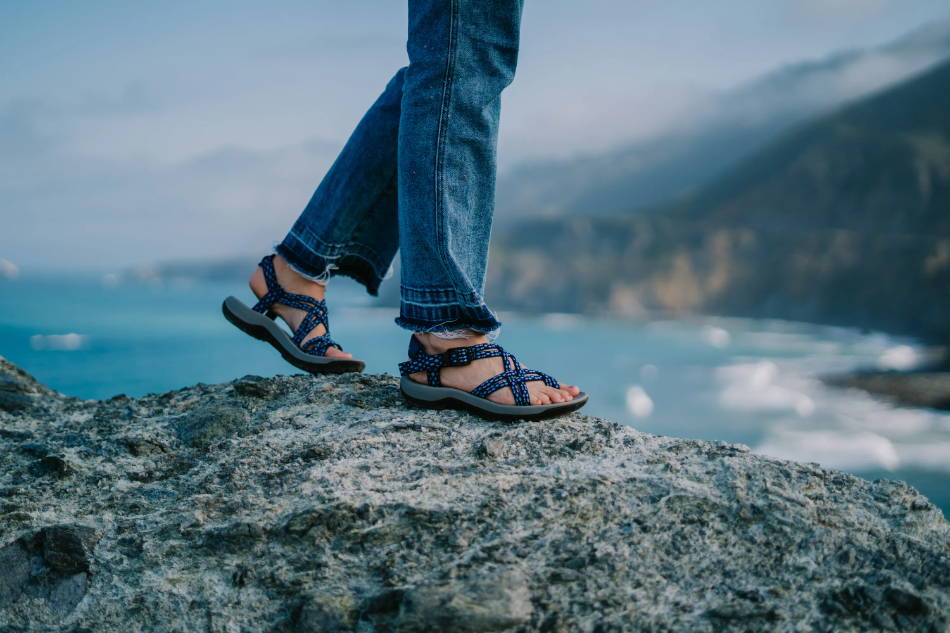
(300, 504)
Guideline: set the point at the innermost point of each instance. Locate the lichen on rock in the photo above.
(297, 503)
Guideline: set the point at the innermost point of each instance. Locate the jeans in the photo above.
(418, 173)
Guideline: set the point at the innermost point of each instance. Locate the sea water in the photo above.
(747, 381)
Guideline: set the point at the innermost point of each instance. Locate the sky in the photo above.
(138, 132)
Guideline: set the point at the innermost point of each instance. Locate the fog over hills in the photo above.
(677, 161)
(844, 220)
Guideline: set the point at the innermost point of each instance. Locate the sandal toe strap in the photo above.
(319, 345)
(514, 376)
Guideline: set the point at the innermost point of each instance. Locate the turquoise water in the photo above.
(747, 381)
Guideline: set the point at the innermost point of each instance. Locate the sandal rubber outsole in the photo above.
(265, 329)
(451, 398)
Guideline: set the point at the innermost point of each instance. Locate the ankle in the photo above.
(289, 278)
(434, 344)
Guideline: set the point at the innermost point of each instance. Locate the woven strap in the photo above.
(316, 311)
(514, 376)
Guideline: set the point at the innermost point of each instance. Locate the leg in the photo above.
(349, 227)
(462, 54)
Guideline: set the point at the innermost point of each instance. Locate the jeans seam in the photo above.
(447, 79)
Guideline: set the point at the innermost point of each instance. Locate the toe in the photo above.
(571, 389)
(333, 352)
(554, 395)
(544, 398)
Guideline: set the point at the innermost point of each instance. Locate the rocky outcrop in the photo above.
(916, 388)
(325, 504)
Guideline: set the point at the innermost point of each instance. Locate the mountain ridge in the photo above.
(843, 220)
(652, 171)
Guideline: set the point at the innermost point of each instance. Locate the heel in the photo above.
(257, 331)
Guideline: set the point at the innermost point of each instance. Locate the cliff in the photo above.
(841, 221)
(325, 504)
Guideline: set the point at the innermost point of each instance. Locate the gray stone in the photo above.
(327, 504)
(19, 391)
(326, 613)
(254, 387)
(489, 600)
(51, 465)
(206, 427)
(48, 569)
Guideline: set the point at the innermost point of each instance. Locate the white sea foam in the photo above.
(639, 402)
(59, 342)
(716, 336)
(561, 320)
(832, 448)
(757, 387)
(901, 357)
(8, 270)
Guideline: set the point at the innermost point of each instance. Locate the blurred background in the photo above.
(730, 222)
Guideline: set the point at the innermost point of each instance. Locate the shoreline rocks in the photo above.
(303, 503)
(930, 389)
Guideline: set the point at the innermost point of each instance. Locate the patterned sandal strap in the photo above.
(419, 360)
(319, 345)
(514, 375)
(316, 310)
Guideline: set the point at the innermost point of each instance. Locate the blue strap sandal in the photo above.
(259, 322)
(436, 396)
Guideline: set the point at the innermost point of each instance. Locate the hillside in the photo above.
(845, 220)
(675, 162)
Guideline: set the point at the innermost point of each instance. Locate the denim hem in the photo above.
(313, 265)
(442, 318)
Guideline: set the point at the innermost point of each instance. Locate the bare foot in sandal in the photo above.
(467, 377)
(295, 283)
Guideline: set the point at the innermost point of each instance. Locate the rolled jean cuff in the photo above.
(319, 267)
(439, 310)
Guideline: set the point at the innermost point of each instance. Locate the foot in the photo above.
(295, 283)
(467, 377)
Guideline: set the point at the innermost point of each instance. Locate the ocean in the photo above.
(748, 381)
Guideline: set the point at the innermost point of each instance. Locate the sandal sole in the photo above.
(265, 329)
(450, 398)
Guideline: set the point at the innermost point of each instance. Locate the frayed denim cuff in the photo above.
(320, 268)
(439, 310)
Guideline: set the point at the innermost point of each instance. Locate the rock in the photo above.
(914, 388)
(51, 465)
(205, 427)
(491, 600)
(68, 548)
(254, 387)
(48, 569)
(144, 446)
(13, 434)
(326, 613)
(298, 504)
(19, 391)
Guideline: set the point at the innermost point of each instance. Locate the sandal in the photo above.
(259, 322)
(435, 396)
